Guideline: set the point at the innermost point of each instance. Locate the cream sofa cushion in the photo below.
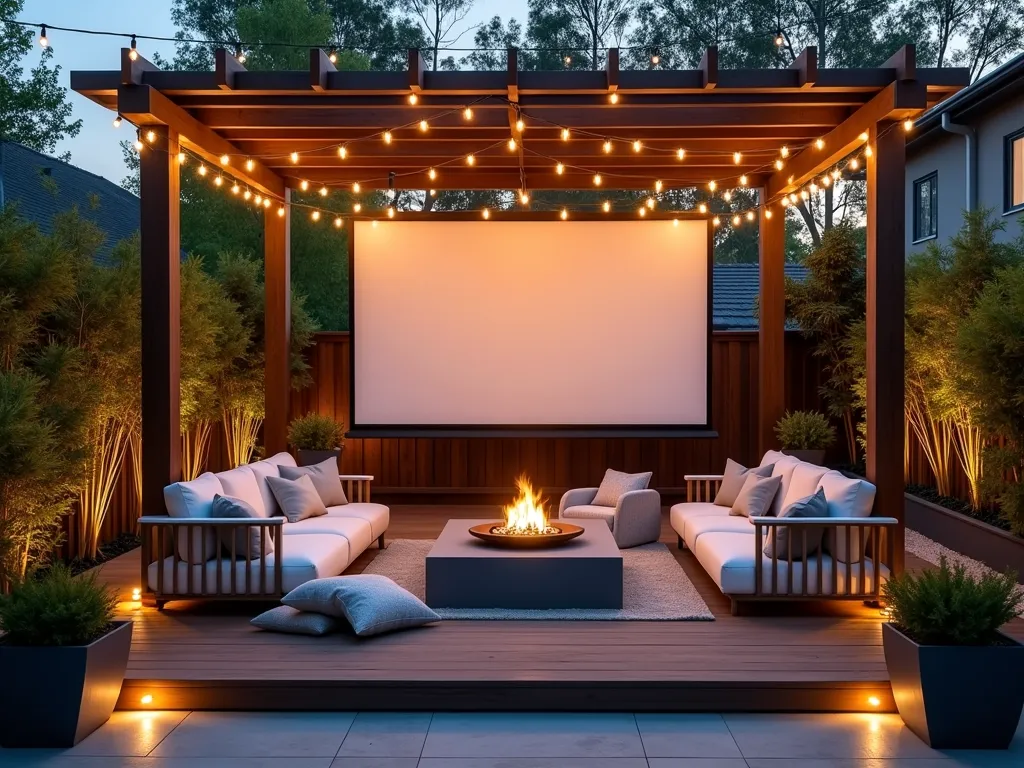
(240, 483)
(698, 526)
(377, 515)
(783, 469)
(803, 482)
(357, 531)
(269, 468)
(194, 499)
(680, 514)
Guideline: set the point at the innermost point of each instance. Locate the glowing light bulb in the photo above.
(702, 208)
(249, 164)
(737, 157)
(511, 145)
(836, 174)
(863, 136)
(136, 594)
(743, 181)
(642, 211)
(784, 201)
(424, 126)
(727, 195)
(908, 125)
(606, 206)
(614, 98)
(295, 157)
(224, 160)
(486, 213)
(258, 199)
(280, 211)
(246, 195)
(874, 701)
(333, 56)
(355, 187)
(597, 179)
(680, 153)
(716, 221)
(658, 185)
(433, 193)
(150, 136)
(342, 152)
(181, 158)
(567, 60)
(675, 222)
(218, 181)
(819, 144)
(650, 203)
(559, 169)
(357, 207)
(413, 98)
(146, 699)
(803, 194)
(524, 198)
(826, 181)
(387, 137)
(266, 202)
(235, 189)
(133, 52)
(323, 191)
(779, 40)
(813, 187)
(565, 214)
(767, 213)
(304, 185)
(44, 41)
(750, 215)
(778, 165)
(792, 197)
(607, 147)
(736, 220)
(784, 151)
(467, 113)
(854, 164)
(712, 186)
(867, 151)
(471, 160)
(315, 215)
(637, 146)
(391, 212)
(202, 170)
(565, 134)
(432, 174)
(117, 121)
(520, 125)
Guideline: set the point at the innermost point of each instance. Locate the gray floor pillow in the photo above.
(372, 604)
(294, 622)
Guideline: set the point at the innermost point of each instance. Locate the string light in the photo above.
(217, 181)
(235, 189)
(467, 113)
(357, 207)
(323, 191)
(768, 212)
(239, 53)
(702, 208)
(511, 145)
(637, 146)
(432, 192)
(387, 137)
(133, 52)
(181, 158)
(333, 56)
(908, 125)
(750, 215)
(258, 199)
(650, 203)
(826, 181)
(813, 187)
(470, 159)
(246, 195)
(413, 98)
(863, 136)
(249, 164)
(424, 126)
(680, 153)
(743, 180)
(675, 222)
(793, 197)
(391, 212)
(642, 211)
(139, 146)
(655, 57)
(150, 136)
(486, 213)
(202, 170)
(597, 179)
(606, 206)
(266, 202)
(779, 39)
(614, 97)
(304, 185)
(854, 164)
(44, 41)
(867, 151)
(727, 195)
(295, 157)
(565, 214)
(355, 187)
(559, 169)
(432, 174)
(716, 221)
(224, 160)
(736, 220)
(315, 215)
(737, 157)
(565, 134)
(524, 198)
(520, 125)
(784, 151)
(784, 202)
(567, 60)
(778, 165)
(819, 144)
(803, 194)
(117, 121)
(836, 174)
(658, 185)
(712, 186)
(280, 211)
(342, 152)
(607, 147)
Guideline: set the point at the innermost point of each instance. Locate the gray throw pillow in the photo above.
(293, 622)
(755, 497)
(246, 540)
(325, 479)
(616, 484)
(298, 499)
(786, 539)
(733, 478)
(372, 604)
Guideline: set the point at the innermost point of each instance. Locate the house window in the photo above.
(926, 207)
(1015, 171)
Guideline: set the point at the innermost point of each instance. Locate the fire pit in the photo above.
(525, 525)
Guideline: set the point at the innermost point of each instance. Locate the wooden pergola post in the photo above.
(159, 186)
(886, 174)
(771, 333)
(277, 325)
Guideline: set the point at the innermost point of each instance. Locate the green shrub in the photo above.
(57, 609)
(949, 607)
(314, 432)
(805, 431)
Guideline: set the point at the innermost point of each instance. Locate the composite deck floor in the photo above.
(806, 657)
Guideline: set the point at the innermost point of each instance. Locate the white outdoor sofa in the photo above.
(850, 564)
(183, 557)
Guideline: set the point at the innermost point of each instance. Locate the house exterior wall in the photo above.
(945, 154)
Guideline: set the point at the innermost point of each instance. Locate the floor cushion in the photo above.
(293, 622)
(371, 603)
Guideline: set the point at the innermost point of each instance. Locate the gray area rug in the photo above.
(655, 587)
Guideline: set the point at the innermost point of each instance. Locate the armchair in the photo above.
(635, 519)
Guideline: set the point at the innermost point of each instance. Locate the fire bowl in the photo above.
(566, 532)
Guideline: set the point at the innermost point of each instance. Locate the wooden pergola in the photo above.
(335, 121)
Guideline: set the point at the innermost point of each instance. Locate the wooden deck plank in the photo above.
(823, 656)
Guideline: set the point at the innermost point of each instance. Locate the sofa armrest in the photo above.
(575, 498)
(357, 487)
(702, 487)
(637, 518)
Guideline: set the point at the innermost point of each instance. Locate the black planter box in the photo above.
(55, 696)
(953, 696)
(993, 546)
(306, 457)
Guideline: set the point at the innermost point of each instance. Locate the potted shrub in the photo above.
(62, 659)
(957, 680)
(316, 438)
(805, 435)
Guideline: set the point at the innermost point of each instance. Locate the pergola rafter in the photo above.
(708, 112)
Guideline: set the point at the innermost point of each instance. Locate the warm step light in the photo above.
(146, 699)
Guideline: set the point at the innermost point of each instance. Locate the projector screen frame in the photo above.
(705, 430)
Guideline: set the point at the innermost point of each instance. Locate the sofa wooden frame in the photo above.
(161, 533)
(877, 532)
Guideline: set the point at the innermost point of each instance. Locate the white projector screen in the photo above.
(530, 323)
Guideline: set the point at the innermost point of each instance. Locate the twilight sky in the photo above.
(96, 148)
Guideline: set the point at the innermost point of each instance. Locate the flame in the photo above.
(526, 513)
